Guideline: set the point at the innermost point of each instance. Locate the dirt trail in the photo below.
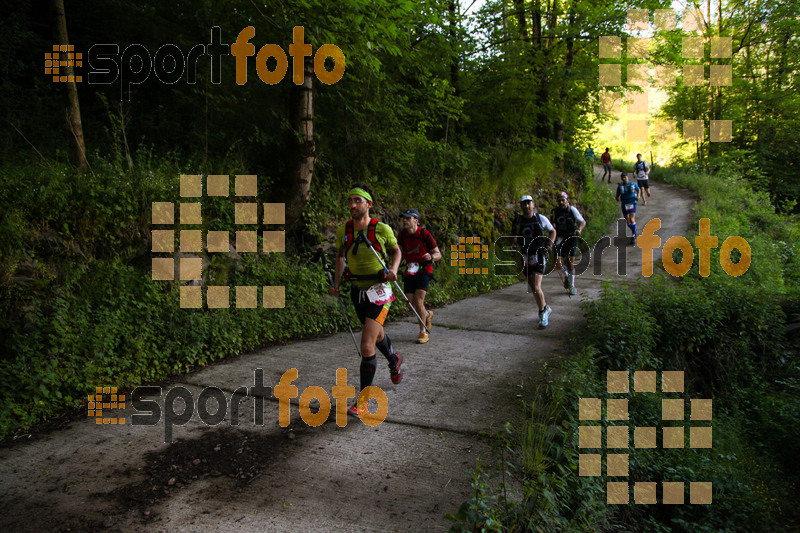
(402, 475)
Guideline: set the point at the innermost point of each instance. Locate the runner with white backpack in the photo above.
(641, 170)
(534, 238)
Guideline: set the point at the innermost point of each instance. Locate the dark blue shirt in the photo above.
(627, 193)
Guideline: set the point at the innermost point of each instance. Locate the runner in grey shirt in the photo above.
(642, 172)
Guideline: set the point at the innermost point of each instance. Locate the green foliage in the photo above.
(735, 207)
(79, 307)
(726, 333)
(109, 323)
(482, 512)
(621, 330)
(761, 100)
(534, 485)
(729, 343)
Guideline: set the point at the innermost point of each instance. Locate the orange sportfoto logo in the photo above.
(169, 63)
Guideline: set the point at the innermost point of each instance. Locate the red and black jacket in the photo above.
(415, 247)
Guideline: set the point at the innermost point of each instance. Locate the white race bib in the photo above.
(628, 207)
(380, 293)
(412, 268)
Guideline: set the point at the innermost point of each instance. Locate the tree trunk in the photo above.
(536, 25)
(783, 44)
(564, 100)
(77, 149)
(541, 104)
(707, 33)
(302, 120)
(452, 8)
(552, 21)
(519, 8)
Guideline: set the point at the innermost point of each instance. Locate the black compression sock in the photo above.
(385, 346)
(368, 367)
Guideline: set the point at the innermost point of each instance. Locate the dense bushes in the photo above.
(111, 324)
(736, 208)
(728, 340)
(726, 334)
(79, 307)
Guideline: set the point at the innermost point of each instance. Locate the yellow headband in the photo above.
(360, 192)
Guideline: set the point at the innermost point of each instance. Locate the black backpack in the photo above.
(538, 230)
(566, 223)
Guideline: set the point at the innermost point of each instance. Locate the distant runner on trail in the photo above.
(370, 295)
(626, 193)
(569, 224)
(529, 229)
(642, 172)
(420, 251)
(606, 160)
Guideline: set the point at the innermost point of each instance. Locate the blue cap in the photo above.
(411, 213)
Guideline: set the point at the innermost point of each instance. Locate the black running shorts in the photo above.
(366, 309)
(418, 281)
(568, 247)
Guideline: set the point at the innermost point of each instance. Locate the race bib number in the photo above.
(628, 207)
(380, 293)
(412, 268)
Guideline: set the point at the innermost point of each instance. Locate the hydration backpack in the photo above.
(422, 234)
(534, 230)
(564, 220)
(350, 238)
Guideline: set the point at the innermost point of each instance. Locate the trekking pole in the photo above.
(561, 277)
(320, 256)
(524, 264)
(378, 257)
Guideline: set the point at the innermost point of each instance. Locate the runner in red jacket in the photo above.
(606, 160)
(420, 251)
